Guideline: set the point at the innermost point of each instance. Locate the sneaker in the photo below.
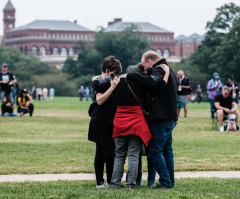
(20, 114)
(101, 186)
(7, 114)
(150, 185)
(107, 185)
(221, 128)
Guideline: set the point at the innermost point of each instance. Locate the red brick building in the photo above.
(161, 40)
(43, 37)
(187, 45)
(52, 40)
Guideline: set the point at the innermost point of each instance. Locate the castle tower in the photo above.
(9, 16)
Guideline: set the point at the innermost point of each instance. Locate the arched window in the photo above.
(166, 53)
(152, 38)
(70, 36)
(62, 36)
(74, 36)
(55, 51)
(42, 51)
(82, 36)
(149, 38)
(159, 52)
(78, 36)
(34, 50)
(168, 38)
(156, 38)
(164, 38)
(86, 37)
(71, 52)
(66, 36)
(64, 51)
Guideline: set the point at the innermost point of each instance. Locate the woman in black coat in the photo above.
(101, 124)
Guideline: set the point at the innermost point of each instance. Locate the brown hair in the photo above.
(9, 101)
(151, 55)
(112, 64)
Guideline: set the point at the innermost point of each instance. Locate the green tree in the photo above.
(127, 45)
(203, 57)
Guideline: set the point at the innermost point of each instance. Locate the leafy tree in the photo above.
(227, 55)
(203, 57)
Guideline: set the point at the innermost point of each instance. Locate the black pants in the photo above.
(29, 110)
(99, 166)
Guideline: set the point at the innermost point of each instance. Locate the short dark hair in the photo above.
(112, 64)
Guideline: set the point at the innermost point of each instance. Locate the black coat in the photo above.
(101, 124)
(163, 97)
(228, 84)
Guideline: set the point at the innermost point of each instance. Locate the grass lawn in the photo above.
(185, 188)
(54, 140)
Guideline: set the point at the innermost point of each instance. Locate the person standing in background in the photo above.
(199, 94)
(81, 92)
(51, 93)
(214, 87)
(6, 81)
(183, 90)
(45, 93)
(234, 87)
(34, 93)
(87, 92)
(39, 93)
(14, 93)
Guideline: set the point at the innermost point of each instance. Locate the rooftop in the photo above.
(191, 38)
(52, 25)
(9, 6)
(118, 25)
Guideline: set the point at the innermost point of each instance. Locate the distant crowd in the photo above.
(10, 95)
(84, 93)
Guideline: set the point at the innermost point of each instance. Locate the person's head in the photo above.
(24, 92)
(149, 58)
(7, 99)
(87, 87)
(199, 86)
(225, 92)
(231, 79)
(133, 69)
(4, 68)
(215, 76)
(81, 87)
(110, 64)
(180, 73)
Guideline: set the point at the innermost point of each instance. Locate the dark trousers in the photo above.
(39, 97)
(81, 96)
(212, 107)
(29, 110)
(161, 152)
(99, 166)
(199, 99)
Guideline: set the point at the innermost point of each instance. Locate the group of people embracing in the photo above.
(119, 126)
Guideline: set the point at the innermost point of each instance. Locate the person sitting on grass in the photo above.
(225, 104)
(25, 104)
(7, 108)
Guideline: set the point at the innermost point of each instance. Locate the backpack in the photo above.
(231, 123)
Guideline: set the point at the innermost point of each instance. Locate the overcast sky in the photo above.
(180, 16)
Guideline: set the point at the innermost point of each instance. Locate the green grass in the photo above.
(54, 140)
(184, 188)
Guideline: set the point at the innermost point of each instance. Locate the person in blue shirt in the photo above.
(51, 93)
(87, 92)
(6, 81)
(81, 92)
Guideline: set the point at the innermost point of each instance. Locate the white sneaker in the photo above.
(222, 128)
(102, 186)
(107, 185)
(20, 114)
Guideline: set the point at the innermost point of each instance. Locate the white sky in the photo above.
(180, 16)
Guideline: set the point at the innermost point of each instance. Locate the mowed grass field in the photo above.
(55, 140)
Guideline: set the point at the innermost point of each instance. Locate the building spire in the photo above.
(9, 6)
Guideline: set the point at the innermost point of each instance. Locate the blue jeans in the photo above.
(13, 96)
(29, 110)
(161, 152)
(11, 114)
(212, 107)
(87, 97)
(151, 170)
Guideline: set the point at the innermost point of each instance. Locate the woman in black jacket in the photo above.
(7, 108)
(101, 124)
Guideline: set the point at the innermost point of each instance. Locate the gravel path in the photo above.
(90, 176)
